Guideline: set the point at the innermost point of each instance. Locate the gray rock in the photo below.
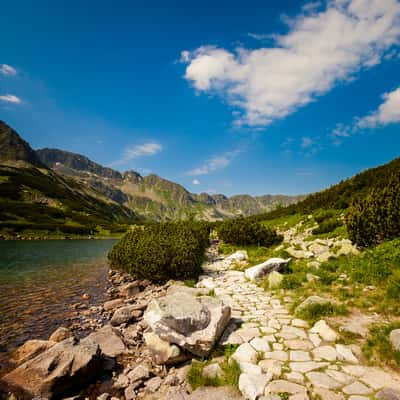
(139, 373)
(65, 365)
(60, 334)
(112, 304)
(274, 279)
(310, 301)
(30, 349)
(260, 270)
(193, 323)
(109, 341)
(252, 386)
(394, 338)
(125, 314)
(163, 352)
(154, 384)
(130, 289)
(388, 394)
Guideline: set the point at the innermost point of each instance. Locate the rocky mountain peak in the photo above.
(14, 148)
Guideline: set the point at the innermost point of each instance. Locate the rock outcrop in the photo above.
(193, 323)
(261, 270)
(66, 365)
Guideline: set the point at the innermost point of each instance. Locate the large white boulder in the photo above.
(193, 323)
(260, 270)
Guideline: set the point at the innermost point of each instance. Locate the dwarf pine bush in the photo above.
(377, 217)
(164, 251)
(242, 232)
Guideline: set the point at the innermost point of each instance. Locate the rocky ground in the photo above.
(146, 337)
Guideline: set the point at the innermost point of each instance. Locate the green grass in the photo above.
(378, 348)
(257, 254)
(314, 312)
(230, 374)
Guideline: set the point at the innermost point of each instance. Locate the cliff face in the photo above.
(54, 158)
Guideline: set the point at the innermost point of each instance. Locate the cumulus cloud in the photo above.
(196, 182)
(320, 49)
(387, 113)
(10, 98)
(6, 69)
(215, 163)
(140, 150)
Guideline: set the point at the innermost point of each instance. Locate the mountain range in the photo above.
(66, 181)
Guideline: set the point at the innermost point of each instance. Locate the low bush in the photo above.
(321, 215)
(241, 231)
(160, 252)
(376, 217)
(327, 226)
(292, 281)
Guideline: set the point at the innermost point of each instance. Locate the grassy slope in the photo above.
(39, 201)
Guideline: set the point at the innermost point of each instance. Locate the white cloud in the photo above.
(387, 113)
(145, 149)
(140, 150)
(6, 69)
(196, 182)
(306, 142)
(215, 163)
(320, 50)
(10, 98)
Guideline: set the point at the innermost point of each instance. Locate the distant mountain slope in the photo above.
(66, 188)
(155, 197)
(35, 198)
(13, 148)
(341, 195)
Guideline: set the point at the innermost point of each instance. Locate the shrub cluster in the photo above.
(327, 226)
(377, 217)
(242, 232)
(159, 252)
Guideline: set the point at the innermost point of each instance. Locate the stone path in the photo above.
(282, 357)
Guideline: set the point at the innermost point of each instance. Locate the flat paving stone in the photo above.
(323, 380)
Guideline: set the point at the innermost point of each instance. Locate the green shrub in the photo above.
(377, 217)
(321, 215)
(374, 266)
(327, 226)
(292, 281)
(241, 231)
(162, 251)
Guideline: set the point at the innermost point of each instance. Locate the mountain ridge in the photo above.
(149, 197)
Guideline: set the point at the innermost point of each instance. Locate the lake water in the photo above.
(40, 280)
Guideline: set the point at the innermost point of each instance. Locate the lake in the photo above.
(40, 280)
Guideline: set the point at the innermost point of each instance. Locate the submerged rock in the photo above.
(193, 323)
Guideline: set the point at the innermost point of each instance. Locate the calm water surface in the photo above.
(40, 280)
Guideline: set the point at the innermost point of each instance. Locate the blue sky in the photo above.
(229, 96)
